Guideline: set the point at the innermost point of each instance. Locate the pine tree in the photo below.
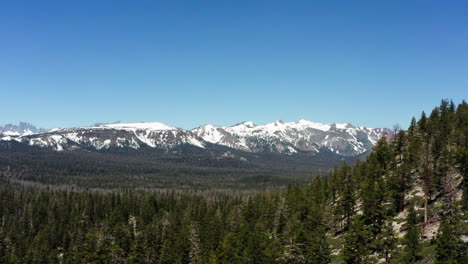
(373, 195)
(315, 246)
(168, 253)
(386, 241)
(426, 129)
(411, 238)
(356, 250)
(137, 252)
(346, 201)
(313, 234)
(447, 245)
(232, 250)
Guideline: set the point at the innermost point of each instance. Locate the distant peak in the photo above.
(303, 121)
(279, 122)
(144, 125)
(23, 128)
(246, 123)
(343, 125)
(249, 123)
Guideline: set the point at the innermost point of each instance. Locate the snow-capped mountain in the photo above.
(119, 135)
(276, 137)
(22, 128)
(292, 137)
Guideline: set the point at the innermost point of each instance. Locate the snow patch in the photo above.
(136, 126)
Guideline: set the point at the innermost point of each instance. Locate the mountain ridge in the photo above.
(290, 137)
(23, 128)
(278, 136)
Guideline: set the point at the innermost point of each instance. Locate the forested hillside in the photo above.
(406, 202)
(153, 169)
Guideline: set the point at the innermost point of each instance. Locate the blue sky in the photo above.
(188, 63)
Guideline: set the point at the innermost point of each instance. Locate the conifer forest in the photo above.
(405, 202)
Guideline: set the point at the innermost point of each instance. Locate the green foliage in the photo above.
(356, 248)
(386, 242)
(449, 249)
(344, 217)
(411, 238)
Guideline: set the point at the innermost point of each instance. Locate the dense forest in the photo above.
(153, 169)
(406, 202)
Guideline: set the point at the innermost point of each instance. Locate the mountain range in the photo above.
(22, 128)
(286, 138)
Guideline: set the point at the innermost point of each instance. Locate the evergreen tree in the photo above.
(447, 245)
(346, 199)
(356, 250)
(315, 246)
(411, 238)
(386, 242)
(232, 250)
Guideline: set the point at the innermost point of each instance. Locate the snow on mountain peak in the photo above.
(279, 122)
(139, 126)
(21, 129)
(343, 125)
(303, 124)
(278, 136)
(272, 127)
(11, 133)
(300, 135)
(248, 124)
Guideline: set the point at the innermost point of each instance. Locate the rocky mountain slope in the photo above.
(292, 137)
(276, 137)
(121, 135)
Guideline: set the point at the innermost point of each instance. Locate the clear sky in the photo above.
(189, 63)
